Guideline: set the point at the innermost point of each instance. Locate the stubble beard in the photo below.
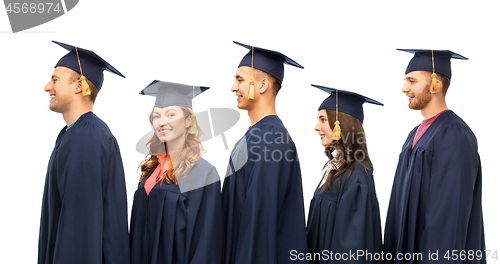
(421, 100)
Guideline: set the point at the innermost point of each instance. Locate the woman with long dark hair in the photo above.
(177, 210)
(344, 215)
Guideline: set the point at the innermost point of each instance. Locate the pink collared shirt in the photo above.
(156, 175)
(424, 126)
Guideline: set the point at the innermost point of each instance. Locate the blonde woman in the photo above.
(176, 215)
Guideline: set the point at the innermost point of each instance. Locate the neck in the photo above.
(434, 107)
(166, 164)
(261, 110)
(175, 146)
(75, 112)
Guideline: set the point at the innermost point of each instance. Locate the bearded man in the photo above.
(435, 210)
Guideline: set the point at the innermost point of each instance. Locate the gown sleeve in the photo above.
(454, 196)
(358, 228)
(93, 220)
(206, 240)
(272, 214)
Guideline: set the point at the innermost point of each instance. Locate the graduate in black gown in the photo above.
(435, 206)
(262, 193)
(84, 207)
(344, 216)
(177, 210)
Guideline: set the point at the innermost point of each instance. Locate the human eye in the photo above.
(171, 114)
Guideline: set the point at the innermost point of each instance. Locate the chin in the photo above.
(54, 108)
(242, 106)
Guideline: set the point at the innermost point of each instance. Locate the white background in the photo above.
(349, 45)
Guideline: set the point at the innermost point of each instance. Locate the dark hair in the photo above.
(445, 81)
(75, 76)
(351, 148)
(191, 152)
(273, 81)
(441, 77)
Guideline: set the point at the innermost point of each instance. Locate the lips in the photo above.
(164, 131)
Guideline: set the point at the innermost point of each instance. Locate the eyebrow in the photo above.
(409, 78)
(320, 116)
(237, 76)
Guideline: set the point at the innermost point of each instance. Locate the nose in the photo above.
(48, 87)
(163, 121)
(406, 88)
(317, 127)
(234, 88)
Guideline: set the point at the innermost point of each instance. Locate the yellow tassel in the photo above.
(194, 128)
(251, 90)
(85, 86)
(435, 87)
(336, 131)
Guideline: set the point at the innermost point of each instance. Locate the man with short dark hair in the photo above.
(435, 210)
(84, 208)
(263, 205)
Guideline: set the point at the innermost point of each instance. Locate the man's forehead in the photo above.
(60, 70)
(243, 70)
(417, 74)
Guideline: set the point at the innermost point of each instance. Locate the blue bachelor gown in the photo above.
(179, 223)
(346, 220)
(435, 204)
(84, 207)
(262, 197)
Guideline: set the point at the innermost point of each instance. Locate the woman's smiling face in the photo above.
(169, 123)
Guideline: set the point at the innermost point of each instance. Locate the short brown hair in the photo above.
(75, 76)
(273, 81)
(443, 79)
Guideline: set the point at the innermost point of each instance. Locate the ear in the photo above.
(264, 85)
(78, 87)
(189, 121)
(439, 87)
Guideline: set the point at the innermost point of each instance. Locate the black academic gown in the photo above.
(435, 204)
(262, 197)
(179, 223)
(345, 220)
(84, 207)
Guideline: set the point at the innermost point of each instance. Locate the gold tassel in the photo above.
(336, 131)
(434, 83)
(251, 90)
(194, 128)
(85, 86)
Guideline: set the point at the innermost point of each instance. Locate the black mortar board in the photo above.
(348, 102)
(92, 65)
(169, 93)
(269, 61)
(422, 61)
